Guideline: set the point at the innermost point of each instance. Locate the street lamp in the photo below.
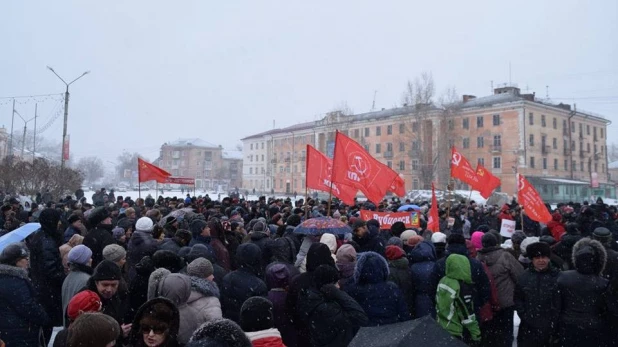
(66, 111)
(23, 140)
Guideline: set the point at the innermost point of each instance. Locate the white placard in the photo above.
(507, 228)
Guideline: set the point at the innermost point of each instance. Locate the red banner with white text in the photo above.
(181, 180)
(387, 219)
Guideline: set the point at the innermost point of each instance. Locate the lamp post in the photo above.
(66, 111)
(23, 140)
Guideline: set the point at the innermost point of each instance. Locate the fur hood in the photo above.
(370, 268)
(13, 271)
(161, 307)
(589, 257)
(205, 287)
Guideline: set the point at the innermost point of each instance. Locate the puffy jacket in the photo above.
(177, 288)
(22, 316)
(171, 245)
(205, 300)
(537, 299)
(381, 299)
(505, 270)
(97, 239)
(140, 245)
(422, 262)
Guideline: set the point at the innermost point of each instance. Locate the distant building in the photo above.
(232, 168)
(562, 151)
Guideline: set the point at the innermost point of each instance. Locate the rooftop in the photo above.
(195, 142)
(232, 155)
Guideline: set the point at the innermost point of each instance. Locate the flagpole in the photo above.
(306, 188)
(139, 189)
(521, 211)
(156, 190)
(330, 198)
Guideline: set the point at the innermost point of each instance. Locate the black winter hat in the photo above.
(538, 249)
(73, 218)
(318, 254)
(97, 215)
(325, 274)
(602, 234)
(256, 314)
(219, 333)
(398, 228)
(456, 239)
(106, 271)
(184, 235)
(167, 259)
(14, 252)
(489, 240)
(293, 220)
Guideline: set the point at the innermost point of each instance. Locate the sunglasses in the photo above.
(157, 330)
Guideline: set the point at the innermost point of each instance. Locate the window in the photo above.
(378, 131)
(574, 166)
(262, 145)
(250, 171)
(402, 147)
(543, 123)
(466, 142)
(603, 168)
(389, 164)
(378, 147)
(263, 171)
(566, 165)
(402, 165)
(262, 157)
(531, 140)
(366, 132)
(281, 184)
(414, 164)
(451, 143)
(451, 124)
(415, 145)
(415, 127)
(465, 123)
(251, 146)
(573, 146)
(544, 163)
(588, 147)
(572, 127)
(555, 123)
(496, 119)
(280, 168)
(356, 133)
(602, 132)
(497, 162)
(389, 130)
(415, 184)
(581, 166)
(402, 128)
(531, 118)
(587, 129)
(480, 142)
(497, 140)
(596, 167)
(532, 162)
(565, 130)
(581, 128)
(554, 143)
(389, 147)
(556, 164)
(543, 142)
(479, 121)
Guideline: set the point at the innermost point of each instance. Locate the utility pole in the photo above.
(10, 149)
(34, 137)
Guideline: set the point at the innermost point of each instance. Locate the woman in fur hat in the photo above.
(156, 324)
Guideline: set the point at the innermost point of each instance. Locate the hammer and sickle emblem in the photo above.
(456, 158)
(358, 164)
(521, 183)
(480, 172)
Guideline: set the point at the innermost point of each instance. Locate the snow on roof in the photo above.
(232, 155)
(561, 180)
(192, 142)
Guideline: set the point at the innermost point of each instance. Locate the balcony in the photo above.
(388, 154)
(495, 148)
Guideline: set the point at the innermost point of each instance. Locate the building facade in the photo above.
(561, 150)
(232, 168)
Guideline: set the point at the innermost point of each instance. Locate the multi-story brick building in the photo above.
(209, 164)
(562, 151)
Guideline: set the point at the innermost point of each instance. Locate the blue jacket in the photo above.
(381, 299)
(22, 316)
(69, 232)
(422, 261)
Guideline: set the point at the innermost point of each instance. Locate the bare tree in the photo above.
(612, 152)
(92, 168)
(29, 178)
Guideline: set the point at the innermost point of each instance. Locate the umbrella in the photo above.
(178, 214)
(407, 207)
(18, 234)
(424, 332)
(321, 225)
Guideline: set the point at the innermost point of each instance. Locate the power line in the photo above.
(30, 96)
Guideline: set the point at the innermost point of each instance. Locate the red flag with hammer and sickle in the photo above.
(488, 181)
(462, 170)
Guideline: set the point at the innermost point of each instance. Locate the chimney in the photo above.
(468, 97)
(529, 97)
(564, 106)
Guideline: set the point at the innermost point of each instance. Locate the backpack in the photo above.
(486, 312)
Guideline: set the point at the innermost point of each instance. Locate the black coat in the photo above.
(371, 242)
(265, 243)
(170, 245)
(117, 306)
(140, 245)
(97, 239)
(400, 275)
(332, 316)
(22, 316)
(537, 299)
(564, 248)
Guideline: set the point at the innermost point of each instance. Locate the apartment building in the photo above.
(561, 150)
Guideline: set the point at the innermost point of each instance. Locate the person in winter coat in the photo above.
(454, 304)
(140, 245)
(243, 283)
(101, 235)
(200, 232)
(201, 251)
(93, 329)
(257, 321)
(260, 236)
(156, 324)
(105, 281)
(582, 292)
(181, 238)
(345, 262)
(219, 333)
(439, 243)
(505, 270)
(367, 237)
(80, 260)
(537, 299)
(564, 248)
(278, 281)
(331, 241)
(46, 270)
(331, 316)
(218, 244)
(177, 288)
(22, 315)
(82, 302)
(610, 272)
(399, 269)
(556, 226)
(138, 287)
(381, 299)
(75, 226)
(204, 297)
(308, 240)
(422, 261)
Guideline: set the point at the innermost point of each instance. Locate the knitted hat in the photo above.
(489, 240)
(86, 301)
(168, 260)
(12, 253)
(201, 268)
(455, 239)
(256, 314)
(394, 241)
(73, 218)
(260, 227)
(325, 274)
(406, 235)
(106, 271)
(293, 220)
(79, 254)
(144, 224)
(394, 252)
(538, 249)
(114, 252)
(414, 240)
(118, 232)
(438, 237)
(346, 254)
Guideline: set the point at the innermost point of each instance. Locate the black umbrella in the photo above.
(424, 332)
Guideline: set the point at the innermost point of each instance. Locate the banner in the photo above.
(180, 180)
(531, 201)
(462, 170)
(149, 172)
(319, 171)
(488, 182)
(594, 180)
(507, 228)
(65, 147)
(387, 219)
(433, 223)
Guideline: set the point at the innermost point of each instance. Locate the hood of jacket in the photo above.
(318, 254)
(457, 248)
(330, 240)
(205, 287)
(140, 238)
(589, 257)
(176, 287)
(424, 251)
(249, 257)
(13, 271)
(370, 268)
(401, 263)
(458, 268)
(155, 280)
(258, 235)
(475, 239)
(49, 219)
(159, 308)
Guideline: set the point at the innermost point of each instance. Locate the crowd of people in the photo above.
(201, 272)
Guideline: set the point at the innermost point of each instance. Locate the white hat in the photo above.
(144, 224)
(406, 235)
(438, 237)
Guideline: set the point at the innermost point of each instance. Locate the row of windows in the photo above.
(583, 166)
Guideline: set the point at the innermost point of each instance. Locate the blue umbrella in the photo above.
(407, 207)
(322, 225)
(18, 234)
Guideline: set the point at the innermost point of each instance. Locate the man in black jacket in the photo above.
(367, 236)
(101, 235)
(537, 299)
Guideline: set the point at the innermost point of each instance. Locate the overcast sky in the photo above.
(223, 70)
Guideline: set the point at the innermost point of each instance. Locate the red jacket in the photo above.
(265, 338)
(556, 227)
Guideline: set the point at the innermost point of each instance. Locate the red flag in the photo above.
(319, 169)
(531, 201)
(462, 170)
(433, 223)
(148, 172)
(488, 182)
(398, 186)
(354, 167)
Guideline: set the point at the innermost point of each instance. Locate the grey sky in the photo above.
(222, 70)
